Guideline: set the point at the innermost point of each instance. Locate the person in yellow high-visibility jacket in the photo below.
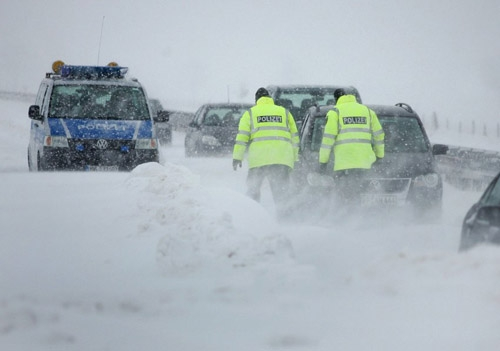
(270, 134)
(354, 133)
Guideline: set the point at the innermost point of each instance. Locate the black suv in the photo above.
(298, 98)
(405, 176)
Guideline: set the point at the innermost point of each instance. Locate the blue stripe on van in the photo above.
(100, 129)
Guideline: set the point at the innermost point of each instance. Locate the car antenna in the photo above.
(100, 40)
(228, 99)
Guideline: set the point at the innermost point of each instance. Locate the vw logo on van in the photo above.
(102, 144)
(375, 184)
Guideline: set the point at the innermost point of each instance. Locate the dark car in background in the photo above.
(298, 98)
(162, 125)
(213, 129)
(482, 222)
(406, 176)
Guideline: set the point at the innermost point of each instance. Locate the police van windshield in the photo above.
(98, 102)
(403, 135)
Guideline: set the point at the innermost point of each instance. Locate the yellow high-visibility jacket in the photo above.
(355, 134)
(270, 133)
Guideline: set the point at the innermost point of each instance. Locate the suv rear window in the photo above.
(225, 116)
(298, 100)
(98, 102)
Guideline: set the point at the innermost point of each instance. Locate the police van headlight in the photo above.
(146, 144)
(210, 140)
(55, 141)
(430, 180)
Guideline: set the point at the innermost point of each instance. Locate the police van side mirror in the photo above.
(34, 113)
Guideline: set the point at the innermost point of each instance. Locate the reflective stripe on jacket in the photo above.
(270, 134)
(355, 134)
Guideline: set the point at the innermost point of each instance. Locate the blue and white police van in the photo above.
(91, 118)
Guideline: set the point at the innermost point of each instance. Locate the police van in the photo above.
(91, 118)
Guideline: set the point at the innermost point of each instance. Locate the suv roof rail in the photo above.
(405, 106)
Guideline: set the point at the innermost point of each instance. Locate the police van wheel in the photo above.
(39, 163)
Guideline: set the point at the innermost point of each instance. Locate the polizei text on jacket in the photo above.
(268, 119)
(354, 120)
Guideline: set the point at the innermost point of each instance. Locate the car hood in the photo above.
(404, 165)
(100, 129)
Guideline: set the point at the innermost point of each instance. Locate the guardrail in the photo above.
(9, 95)
(468, 168)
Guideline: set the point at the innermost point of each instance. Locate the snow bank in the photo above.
(200, 227)
(470, 272)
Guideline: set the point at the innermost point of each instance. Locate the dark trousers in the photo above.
(279, 180)
(349, 183)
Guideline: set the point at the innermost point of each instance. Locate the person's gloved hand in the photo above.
(236, 163)
(323, 168)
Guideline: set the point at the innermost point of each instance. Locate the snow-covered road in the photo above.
(176, 257)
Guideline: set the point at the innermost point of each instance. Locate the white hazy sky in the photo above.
(438, 56)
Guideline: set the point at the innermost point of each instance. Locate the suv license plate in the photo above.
(378, 199)
(102, 168)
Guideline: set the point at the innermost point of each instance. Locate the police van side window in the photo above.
(45, 104)
(40, 94)
(41, 97)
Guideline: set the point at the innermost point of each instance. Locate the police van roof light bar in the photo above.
(93, 72)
